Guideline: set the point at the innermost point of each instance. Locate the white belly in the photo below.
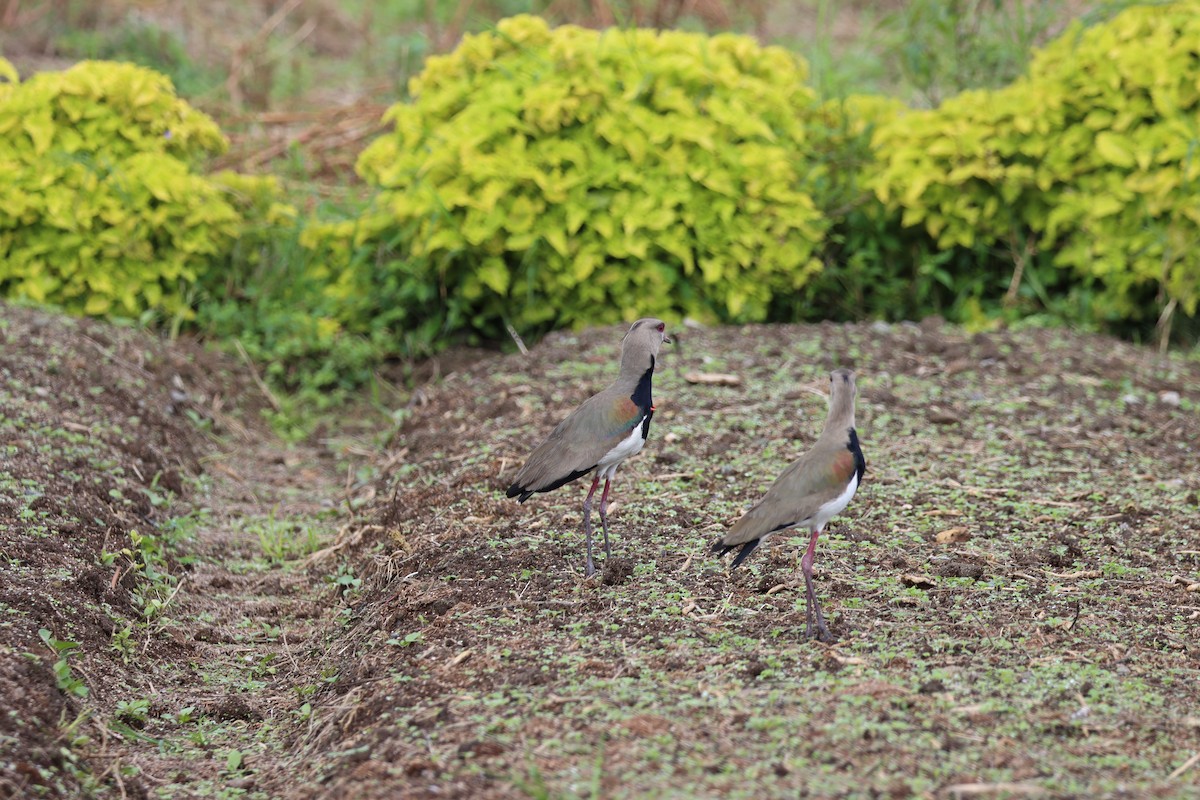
(834, 506)
(630, 445)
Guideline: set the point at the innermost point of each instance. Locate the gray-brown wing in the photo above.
(808, 483)
(577, 444)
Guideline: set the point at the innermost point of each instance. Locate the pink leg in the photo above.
(590, 567)
(813, 607)
(604, 517)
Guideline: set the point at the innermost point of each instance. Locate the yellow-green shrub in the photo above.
(557, 176)
(100, 210)
(1094, 156)
(872, 266)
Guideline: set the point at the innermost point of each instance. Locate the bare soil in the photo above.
(1047, 647)
(107, 434)
(1015, 589)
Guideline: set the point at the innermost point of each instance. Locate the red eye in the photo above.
(661, 327)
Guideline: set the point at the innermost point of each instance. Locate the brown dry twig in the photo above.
(238, 65)
(328, 134)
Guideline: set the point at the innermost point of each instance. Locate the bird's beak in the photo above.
(666, 339)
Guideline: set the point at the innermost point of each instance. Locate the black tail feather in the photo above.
(720, 548)
(522, 494)
(747, 549)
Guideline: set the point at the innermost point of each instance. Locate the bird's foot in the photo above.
(823, 634)
(604, 527)
(814, 613)
(812, 607)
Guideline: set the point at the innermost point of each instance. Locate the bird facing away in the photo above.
(813, 489)
(606, 429)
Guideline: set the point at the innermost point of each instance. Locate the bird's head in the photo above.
(842, 391)
(839, 384)
(642, 343)
(842, 381)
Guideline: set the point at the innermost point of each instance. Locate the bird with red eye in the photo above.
(602, 432)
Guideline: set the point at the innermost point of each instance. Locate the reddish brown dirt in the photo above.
(100, 427)
(91, 416)
(464, 656)
(494, 592)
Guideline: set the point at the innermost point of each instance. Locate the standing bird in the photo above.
(809, 493)
(606, 429)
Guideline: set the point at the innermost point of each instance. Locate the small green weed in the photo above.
(407, 639)
(133, 712)
(146, 558)
(185, 715)
(283, 540)
(122, 642)
(63, 676)
(344, 581)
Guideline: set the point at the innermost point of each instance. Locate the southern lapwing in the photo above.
(606, 429)
(809, 493)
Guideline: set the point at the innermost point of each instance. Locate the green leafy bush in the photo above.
(565, 176)
(874, 267)
(865, 272)
(100, 209)
(314, 329)
(8, 77)
(1090, 162)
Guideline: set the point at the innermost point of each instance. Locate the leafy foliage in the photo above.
(874, 267)
(863, 274)
(545, 177)
(1089, 160)
(63, 676)
(308, 317)
(8, 76)
(101, 211)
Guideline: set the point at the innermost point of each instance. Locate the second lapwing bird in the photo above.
(810, 492)
(606, 429)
